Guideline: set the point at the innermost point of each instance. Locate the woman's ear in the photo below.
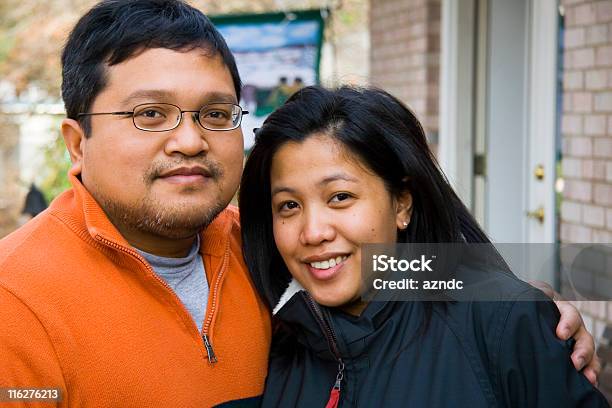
(403, 210)
(74, 137)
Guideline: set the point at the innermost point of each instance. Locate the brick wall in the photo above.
(405, 54)
(586, 211)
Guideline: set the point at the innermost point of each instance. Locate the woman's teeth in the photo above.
(330, 263)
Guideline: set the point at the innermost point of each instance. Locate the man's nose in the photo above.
(189, 138)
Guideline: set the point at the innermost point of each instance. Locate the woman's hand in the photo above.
(571, 325)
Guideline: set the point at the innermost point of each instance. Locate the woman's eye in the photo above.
(288, 205)
(340, 197)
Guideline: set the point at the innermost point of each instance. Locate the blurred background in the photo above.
(515, 97)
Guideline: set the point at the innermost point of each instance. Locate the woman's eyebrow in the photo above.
(336, 177)
(324, 181)
(282, 189)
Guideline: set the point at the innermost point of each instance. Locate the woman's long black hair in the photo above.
(386, 136)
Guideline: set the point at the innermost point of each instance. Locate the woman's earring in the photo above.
(405, 225)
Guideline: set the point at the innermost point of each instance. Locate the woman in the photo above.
(332, 170)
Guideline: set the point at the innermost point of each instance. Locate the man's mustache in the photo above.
(214, 169)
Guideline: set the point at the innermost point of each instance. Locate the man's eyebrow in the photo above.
(155, 95)
(326, 180)
(152, 95)
(219, 97)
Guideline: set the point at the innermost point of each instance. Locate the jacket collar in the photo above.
(354, 333)
(82, 213)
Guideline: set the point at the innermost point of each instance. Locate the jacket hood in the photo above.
(292, 290)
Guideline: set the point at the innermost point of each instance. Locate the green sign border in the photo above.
(300, 15)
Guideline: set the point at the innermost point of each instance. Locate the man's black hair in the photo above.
(116, 30)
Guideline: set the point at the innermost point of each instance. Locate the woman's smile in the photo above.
(327, 269)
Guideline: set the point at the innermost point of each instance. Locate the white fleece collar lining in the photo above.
(293, 288)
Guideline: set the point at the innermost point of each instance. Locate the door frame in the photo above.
(543, 117)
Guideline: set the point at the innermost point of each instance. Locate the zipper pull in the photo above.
(209, 350)
(334, 395)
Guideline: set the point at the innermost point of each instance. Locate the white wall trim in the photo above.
(457, 95)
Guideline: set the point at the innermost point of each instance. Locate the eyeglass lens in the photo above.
(161, 116)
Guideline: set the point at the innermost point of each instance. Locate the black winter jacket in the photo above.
(473, 354)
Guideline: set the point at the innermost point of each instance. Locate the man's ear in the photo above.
(403, 210)
(74, 137)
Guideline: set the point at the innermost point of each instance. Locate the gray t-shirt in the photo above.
(186, 277)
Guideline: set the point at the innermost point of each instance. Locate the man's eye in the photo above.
(151, 114)
(216, 115)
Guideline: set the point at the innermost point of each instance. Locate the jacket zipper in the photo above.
(212, 358)
(206, 328)
(207, 344)
(330, 335)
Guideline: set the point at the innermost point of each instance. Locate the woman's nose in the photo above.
(316, 229)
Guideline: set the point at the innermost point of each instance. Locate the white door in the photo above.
(498, 105)
(520, 120)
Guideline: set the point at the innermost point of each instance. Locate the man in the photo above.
(130, 290)
(35, 203)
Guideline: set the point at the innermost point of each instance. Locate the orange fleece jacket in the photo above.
(81, 310)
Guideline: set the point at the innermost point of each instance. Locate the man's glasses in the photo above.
(161, 117)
